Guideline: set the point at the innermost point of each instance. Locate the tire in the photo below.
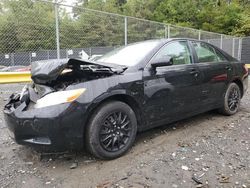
(111, 130)
(231, 101)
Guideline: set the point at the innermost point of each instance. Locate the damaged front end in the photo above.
(58, 74)
(42, 113)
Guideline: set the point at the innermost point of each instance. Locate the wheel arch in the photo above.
(127, 99)
(240, 84)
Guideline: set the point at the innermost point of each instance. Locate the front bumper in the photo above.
(56, 127)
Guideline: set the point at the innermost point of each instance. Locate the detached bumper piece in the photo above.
(56, 127)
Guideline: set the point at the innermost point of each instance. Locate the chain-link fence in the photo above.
(245, 50)
(40, 30)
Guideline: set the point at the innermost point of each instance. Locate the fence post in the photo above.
(168, 31)
(30, 57)
(221, 41)
(233, 47)
(57, 30)
(12, 59)
(240, 49)
(199, 36)
(125, 30)
(90, 51)
(48, 54)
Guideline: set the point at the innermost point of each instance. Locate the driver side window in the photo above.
(178, 50)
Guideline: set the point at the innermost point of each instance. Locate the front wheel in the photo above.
(111, 130)
(231, 100)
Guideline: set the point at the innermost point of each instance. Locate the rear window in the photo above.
(207, 53)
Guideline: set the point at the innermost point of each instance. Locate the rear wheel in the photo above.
(231, 100)
(111, 130)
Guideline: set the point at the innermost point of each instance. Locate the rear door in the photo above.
(216, 71)
(172, 92)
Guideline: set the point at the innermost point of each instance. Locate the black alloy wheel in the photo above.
(111, 130)
(115, 131)
(231, 100)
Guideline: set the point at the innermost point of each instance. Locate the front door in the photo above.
(172, 92)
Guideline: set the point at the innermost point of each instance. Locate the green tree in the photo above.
(26, 25)
(221, 16)
(30, 25)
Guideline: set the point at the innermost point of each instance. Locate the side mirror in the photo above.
(162, 61)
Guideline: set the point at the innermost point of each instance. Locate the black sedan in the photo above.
(102, 104)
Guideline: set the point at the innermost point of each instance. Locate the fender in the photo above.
(115, 93)
(110, 94)
(97, 101)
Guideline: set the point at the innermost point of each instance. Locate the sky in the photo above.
(69, 2)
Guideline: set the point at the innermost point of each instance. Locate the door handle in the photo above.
(194, 72)
(228, 67)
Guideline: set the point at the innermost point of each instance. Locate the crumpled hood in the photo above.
(48, 70)
(44, 71)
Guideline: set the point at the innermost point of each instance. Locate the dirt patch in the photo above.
(208, 150)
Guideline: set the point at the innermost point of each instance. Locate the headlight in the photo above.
(59, 97)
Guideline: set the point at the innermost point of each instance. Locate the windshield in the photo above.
(129, 55)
